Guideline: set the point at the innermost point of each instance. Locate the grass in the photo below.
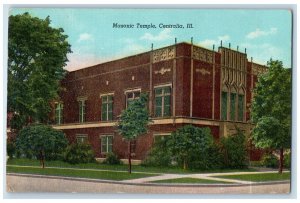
(261, 177)
(189, 180)
(105, 175)
(137, 168)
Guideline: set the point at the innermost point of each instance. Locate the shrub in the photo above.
(112, 159)
(234, 149)
(211, 158)
(11, 149)
(79, 153)
(159, 155)
(270, 160)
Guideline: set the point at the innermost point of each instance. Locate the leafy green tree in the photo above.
(188, 140)
(41, 141)
(271, 110)
(37, 54)
(234, 149)
(133, 122)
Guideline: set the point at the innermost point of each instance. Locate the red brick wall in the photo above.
(202, 90)
(217, 85)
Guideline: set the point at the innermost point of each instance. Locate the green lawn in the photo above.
(105, 175)
(189, 180)
(138, 168)
(259, 177)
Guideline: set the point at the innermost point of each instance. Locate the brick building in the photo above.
(186, 84)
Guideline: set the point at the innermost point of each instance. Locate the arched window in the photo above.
(224, 99)
(241, 101)
(232, 104)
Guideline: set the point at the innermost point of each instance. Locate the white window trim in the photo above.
(81, 136)
(163, 85)
(106, 135)
(82, 118)
(104, 95)
(129, 91)
(162, 95)
(160, 134)
(60, 112)
(132, 90)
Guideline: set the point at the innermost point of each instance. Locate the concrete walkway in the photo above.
(165, 176)
(208, 176)
(18, 187)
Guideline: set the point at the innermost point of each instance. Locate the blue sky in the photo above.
(265, 33)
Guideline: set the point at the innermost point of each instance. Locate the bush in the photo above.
(270, 161)
(212, 158)
(112, 159)
(79, 153)
(11, 149)
(234, 149)
(159, 155)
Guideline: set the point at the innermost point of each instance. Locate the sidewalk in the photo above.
(208, 176)
(164, 176)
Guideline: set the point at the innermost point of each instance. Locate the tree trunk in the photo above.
(129, 156)
(280, 161)
(42, 159)
(184, 164)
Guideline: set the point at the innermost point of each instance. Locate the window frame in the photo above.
(84, 138)
(240, 110)
(233, 105)
(59, 107)
(82, 110)
(106, 136)
(162, 135)
(162, 97)
(133, 91)
(224, 112)
(106, 103)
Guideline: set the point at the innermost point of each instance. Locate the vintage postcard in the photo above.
(149, 101)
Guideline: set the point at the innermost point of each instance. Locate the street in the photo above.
(35, 184)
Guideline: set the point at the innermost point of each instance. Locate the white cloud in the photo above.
(163, 35)
(224, 38)
(258, 33)
(262, 53)
(85, 37)
(208, 43)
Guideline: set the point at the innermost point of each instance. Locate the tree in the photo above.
(133, 122)
(234, 148)
(41, 141)
(188, 140)
(37, 54)
(271, 110)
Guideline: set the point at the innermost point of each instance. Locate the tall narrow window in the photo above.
(107, 108)
(131, 96)
(59, 113)
(240, 107)
(232, 106)
(224, 106)
(106, 143)
(81, 111)
(163, 101)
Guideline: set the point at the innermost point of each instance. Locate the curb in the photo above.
(148, 184)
